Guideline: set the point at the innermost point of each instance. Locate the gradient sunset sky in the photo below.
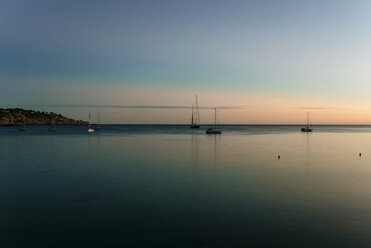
(264, 61)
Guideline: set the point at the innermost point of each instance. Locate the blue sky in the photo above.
(301, 49)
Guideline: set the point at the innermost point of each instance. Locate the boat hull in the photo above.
(194, 126)
(90, 130)
(306, 130)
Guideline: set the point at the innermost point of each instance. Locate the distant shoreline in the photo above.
(18, 117)
(17, 125)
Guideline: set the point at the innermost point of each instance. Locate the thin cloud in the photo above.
(322, 108)
(234, 107)
(126, 106)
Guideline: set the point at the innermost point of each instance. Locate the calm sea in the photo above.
(170, 186)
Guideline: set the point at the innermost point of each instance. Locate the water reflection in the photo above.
(307, 146)
(195, 141)
(190, 190)
(216, 148)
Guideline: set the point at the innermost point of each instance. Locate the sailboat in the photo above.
(90, 130)
(24, 128)
(195, 116)
(97, 126)
(308, 128)
(52, 127)
(214, 130)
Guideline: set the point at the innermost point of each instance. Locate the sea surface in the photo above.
(172, 186)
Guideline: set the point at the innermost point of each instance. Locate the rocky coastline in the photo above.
(18, 116)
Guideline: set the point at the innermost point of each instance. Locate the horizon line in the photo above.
(227, 124)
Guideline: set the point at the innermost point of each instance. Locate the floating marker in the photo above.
(279, 156)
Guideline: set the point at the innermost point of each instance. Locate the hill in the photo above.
(16, 116)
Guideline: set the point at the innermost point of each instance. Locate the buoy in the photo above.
(360, 154)
(279, 156)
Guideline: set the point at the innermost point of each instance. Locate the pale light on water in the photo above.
(168, 186)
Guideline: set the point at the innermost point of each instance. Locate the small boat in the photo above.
(308, 128)
(97, 126)
(214, 130)
(52, 127)
(24, 128)
(195, 116)
(90, 130)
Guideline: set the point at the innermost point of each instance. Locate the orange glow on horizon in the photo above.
(262, 108)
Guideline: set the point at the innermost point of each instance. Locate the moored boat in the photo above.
(308, 128)
(24, 127)
(195, 116)
(214, 130)
(97, 126)
(52, 127)
(90, 130)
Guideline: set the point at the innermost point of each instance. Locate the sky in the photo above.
(142, 61)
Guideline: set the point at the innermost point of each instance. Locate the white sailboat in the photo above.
(97, 126)
(195, 116)
(52, 127)
(90, 130)
(214, 130)
(24, 128)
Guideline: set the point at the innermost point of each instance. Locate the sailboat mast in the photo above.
(98, 118)
(192, 115)
(89, 121)
(52, 121)
(307, 119)
(215, 116)
(197, 114)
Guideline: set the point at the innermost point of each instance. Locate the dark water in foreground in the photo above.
(169, 186)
